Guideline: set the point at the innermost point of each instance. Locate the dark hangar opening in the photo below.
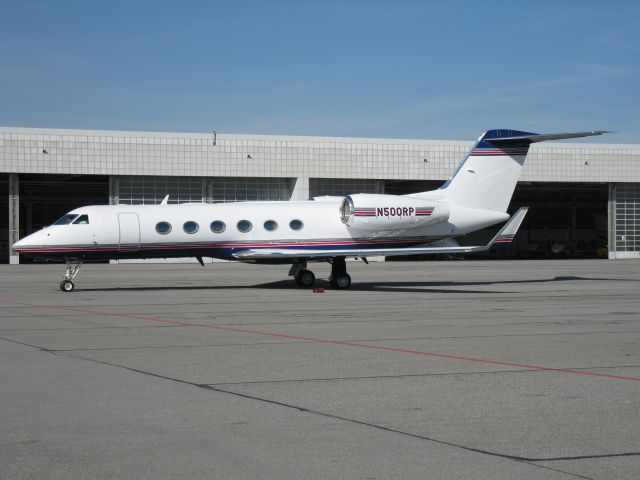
(407, 187)
(45, 198)
(565, 220)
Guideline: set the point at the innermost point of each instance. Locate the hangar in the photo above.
(585, 197)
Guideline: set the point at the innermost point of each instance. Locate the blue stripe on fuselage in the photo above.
(221, 252)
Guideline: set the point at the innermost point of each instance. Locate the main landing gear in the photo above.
(303, 277)
(339, 278)
(73, 266)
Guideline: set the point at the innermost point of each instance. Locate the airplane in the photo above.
(331, 229)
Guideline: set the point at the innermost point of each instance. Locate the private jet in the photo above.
(330, 229)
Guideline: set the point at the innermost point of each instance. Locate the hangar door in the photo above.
(129, 225)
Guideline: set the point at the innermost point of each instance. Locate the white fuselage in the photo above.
(133, 231)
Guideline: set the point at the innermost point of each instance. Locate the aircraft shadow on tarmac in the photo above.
(388, 286)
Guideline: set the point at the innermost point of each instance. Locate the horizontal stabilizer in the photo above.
(502, 239)
(536, 137)
(507, 233)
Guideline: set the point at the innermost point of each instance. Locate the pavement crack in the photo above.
(216, 388)
(587, 457)
(529, 461)
(302, 409)
(408, 375)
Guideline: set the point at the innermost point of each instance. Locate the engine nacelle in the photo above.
(378, 213)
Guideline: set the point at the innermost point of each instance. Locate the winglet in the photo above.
(165, 200)
(507, 233)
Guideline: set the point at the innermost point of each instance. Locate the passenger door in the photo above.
(129, 238)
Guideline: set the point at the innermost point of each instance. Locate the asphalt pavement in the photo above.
(425, 370)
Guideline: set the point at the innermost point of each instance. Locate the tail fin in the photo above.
(487, 177)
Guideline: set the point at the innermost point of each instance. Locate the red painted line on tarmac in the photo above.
(342, 343)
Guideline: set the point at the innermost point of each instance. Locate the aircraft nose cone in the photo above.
(20, 244)
(33, 240)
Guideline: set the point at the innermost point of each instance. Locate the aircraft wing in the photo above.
(501, 240)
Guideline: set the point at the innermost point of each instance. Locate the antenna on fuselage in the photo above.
(165, 200)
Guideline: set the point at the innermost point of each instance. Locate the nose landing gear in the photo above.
(73, 266)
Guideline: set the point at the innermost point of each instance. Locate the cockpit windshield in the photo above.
(82, 220)
(65, 219)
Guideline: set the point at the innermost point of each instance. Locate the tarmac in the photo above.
(422, 370)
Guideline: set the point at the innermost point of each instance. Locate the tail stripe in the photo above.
(504, 239)
(495, 151)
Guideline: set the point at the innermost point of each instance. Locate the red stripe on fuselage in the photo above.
(81, 248)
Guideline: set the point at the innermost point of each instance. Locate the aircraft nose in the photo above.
(20, 244)
(35, 239)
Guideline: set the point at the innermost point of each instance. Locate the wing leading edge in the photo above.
(501, 240)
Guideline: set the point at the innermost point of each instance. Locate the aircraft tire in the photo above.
(67, 286)
(340, 282)
(305, 278)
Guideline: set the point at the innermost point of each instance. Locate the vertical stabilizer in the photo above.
(486, 178)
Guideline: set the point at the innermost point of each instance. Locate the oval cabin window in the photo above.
(190, 227)
(295, 224)
(271, 225)
(163, 228)
(244, 226)
(218, 226)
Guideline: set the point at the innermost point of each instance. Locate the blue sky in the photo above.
(402, 69)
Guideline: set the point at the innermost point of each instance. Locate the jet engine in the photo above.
(378, 213)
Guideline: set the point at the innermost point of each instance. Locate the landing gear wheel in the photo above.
(305, 278)
(67, 286)
(340, 282)
(73, 266)
(339, 278)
